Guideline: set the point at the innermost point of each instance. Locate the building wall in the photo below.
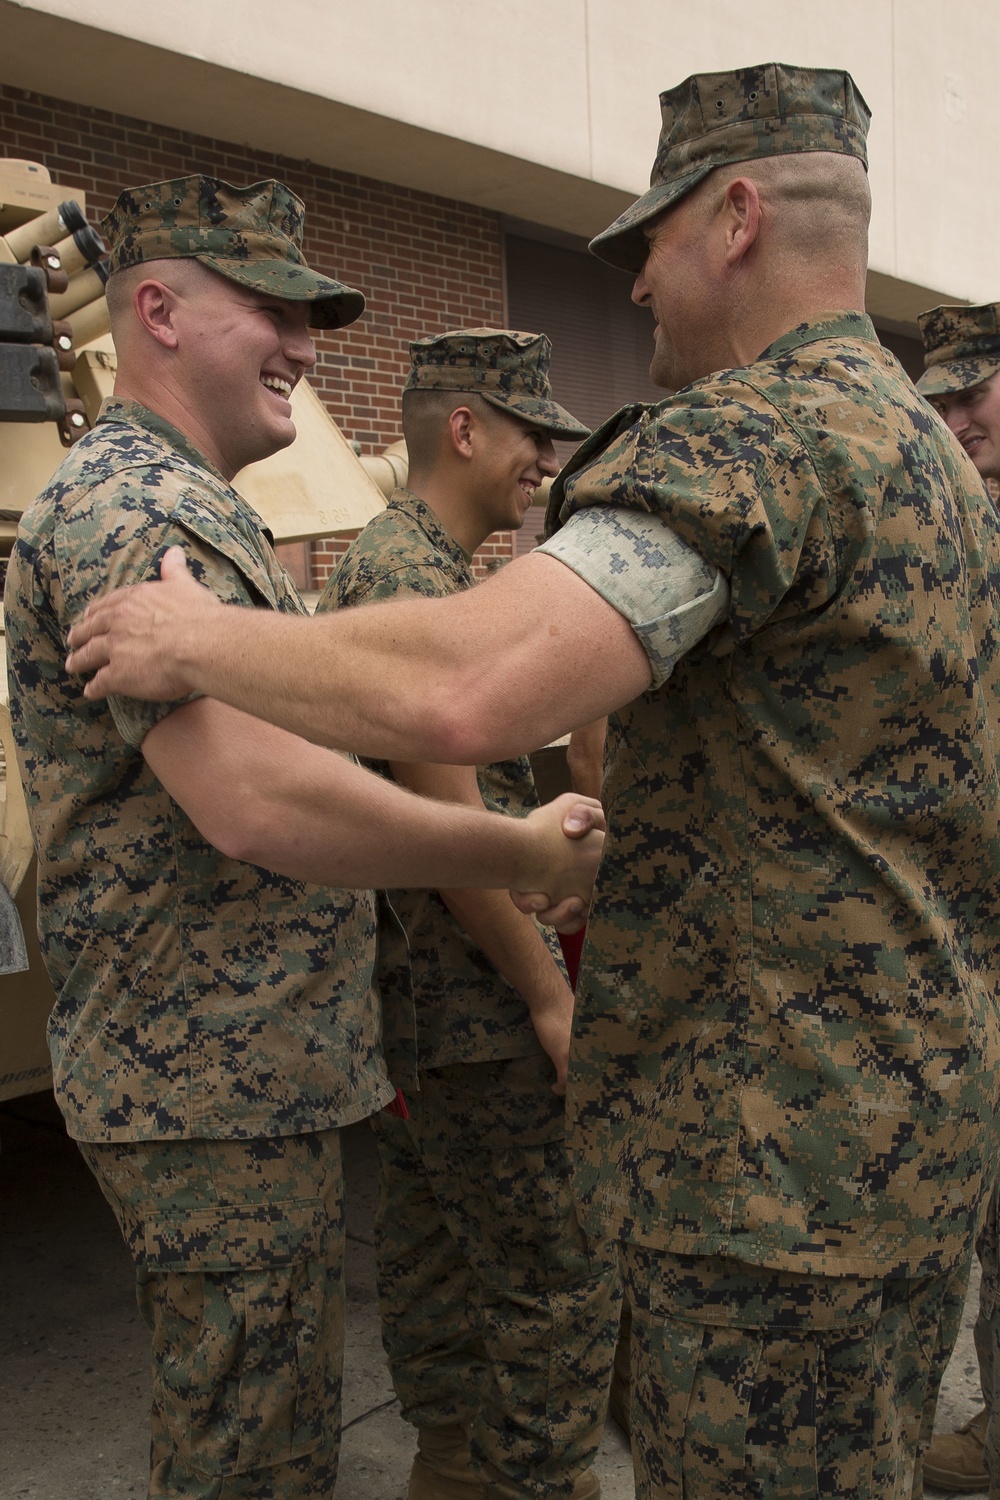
(424, 263)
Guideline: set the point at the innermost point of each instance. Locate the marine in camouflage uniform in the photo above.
(498, 1310)
(214, 1023)
(804, 831)
(785, 1072)
(961, 380)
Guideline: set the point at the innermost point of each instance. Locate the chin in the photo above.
(266, 446)
(662, 375)
(279, 437)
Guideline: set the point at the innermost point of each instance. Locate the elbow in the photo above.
(460, 729)
(240, 831)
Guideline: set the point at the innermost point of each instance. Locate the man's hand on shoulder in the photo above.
(134, 640)
(571, 831)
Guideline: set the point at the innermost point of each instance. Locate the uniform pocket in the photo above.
(245, 1339)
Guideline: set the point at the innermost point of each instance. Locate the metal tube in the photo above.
(81, 248)
(81, 290)
(388, 468)
(91, 322)
(45, 229)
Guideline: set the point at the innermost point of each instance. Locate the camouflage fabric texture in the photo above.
(961, 347)
(986, 1332)
(195, 995)
(239, 1256)
(250, 235)
(715, 119)
(442, 999)
(510, 370)
(499, 1312)
(484, 1270)
(787, 1045)
(758, 1384)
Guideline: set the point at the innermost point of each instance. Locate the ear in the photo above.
(155, 306)
(742, 212)
(460, 428)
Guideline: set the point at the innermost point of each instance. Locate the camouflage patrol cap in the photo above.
(717, 119)
(508, 369)
(250, 235)
(961, 347)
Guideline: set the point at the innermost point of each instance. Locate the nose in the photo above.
(547, 461)
(298, 346)
(306, 356)
(640, 288)
(957, 418)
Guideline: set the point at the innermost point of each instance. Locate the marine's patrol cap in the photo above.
(250, 235)
(961, 347)
(716, 119)
(508, 369)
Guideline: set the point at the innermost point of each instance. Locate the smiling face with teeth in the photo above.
(240, 354)
(510, 463)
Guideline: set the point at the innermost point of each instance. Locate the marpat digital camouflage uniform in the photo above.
(499, 1312)
(214, 1022)
(250, 235)
(961, 347)
(507, 368)
(196, 996)
(785, 1064)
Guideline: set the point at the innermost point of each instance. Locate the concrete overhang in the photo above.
(47, 53)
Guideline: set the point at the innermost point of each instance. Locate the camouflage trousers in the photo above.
(987, 1336)
(499, 1313)
(239, 1251)
(749, 1382)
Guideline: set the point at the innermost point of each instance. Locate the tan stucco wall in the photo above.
(546, 109)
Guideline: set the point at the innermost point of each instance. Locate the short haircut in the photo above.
(425, 417)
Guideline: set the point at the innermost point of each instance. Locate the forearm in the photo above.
(264, 797)
(517, 950)
(339, 825)
(369, 832)
(512, 943)
(585, 758)
(381, 680)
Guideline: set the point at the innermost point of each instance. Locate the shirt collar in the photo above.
(419, 511)
(833, 325)
(116, 409)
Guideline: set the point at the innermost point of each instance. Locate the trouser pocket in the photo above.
(245, 1333)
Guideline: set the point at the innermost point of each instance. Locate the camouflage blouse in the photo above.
(788, 1039)
(443, 1000)
(196, 995)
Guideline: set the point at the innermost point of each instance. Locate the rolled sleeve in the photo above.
(669, 594)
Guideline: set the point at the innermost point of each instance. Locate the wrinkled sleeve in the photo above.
(669, 594)
(373, 583)
(118, 537)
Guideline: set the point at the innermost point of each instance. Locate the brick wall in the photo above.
(424, 263)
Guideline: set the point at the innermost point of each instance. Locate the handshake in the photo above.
(571, 835)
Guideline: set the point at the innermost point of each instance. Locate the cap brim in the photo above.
(332, 304)
(958, 374)
(548, 415)
(623, 244)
